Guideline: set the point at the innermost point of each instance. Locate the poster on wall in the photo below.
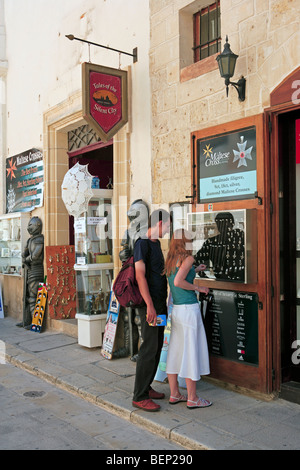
(24, 181)
(110, 327)
(227, 166)
(1, 304)
(231, 324)
(104, 99)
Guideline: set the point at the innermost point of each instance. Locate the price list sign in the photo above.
(231, 324)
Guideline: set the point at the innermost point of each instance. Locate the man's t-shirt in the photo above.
(150, 252)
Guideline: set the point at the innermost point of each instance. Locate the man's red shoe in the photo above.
(156, 395)
(146, 405)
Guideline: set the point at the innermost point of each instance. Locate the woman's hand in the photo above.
(201, 267)
(204, 290)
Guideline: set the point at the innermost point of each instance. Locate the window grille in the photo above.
(81, 137)
(207, 32)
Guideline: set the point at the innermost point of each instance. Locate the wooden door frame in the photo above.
(272, 115)
(282, 102)
(258, 378)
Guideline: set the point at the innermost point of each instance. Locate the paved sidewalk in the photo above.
(233, 422)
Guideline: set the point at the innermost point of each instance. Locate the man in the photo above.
(149, 266)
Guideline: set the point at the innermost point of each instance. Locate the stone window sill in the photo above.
(199, 68)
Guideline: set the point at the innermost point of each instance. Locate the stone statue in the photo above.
(138, 215)
(33, 264)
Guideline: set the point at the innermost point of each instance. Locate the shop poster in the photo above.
(110, 327)
(161, 375)
(24, 181)
(1, 304)
(227, 166)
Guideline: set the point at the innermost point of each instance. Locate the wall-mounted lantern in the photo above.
(226, 62)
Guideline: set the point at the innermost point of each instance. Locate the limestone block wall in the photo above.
(187, 97)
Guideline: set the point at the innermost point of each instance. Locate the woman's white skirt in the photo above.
(187, 353)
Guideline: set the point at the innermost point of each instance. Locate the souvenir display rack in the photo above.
(61, 281)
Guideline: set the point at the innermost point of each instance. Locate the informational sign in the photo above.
(227, 166)
(104, 99)
(231, 324)
(24, 181)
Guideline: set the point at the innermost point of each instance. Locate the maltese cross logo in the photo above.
(243, 154)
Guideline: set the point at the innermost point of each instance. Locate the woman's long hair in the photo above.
(180, 248)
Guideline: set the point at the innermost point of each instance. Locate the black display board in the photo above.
(231, 324)
(227, 166)
(25, 181)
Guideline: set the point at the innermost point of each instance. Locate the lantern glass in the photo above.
(226, 61)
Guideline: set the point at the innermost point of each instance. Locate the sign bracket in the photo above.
(134, 53)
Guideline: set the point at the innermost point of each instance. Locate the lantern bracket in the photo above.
(240, 87)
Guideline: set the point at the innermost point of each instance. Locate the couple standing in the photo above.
(187, 353)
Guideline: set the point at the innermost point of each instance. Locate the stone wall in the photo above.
(187, 97)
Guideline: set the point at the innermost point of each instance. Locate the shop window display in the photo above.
(93, 254)
(226, 243)
(13, 236)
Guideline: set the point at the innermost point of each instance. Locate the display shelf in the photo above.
(93, 287)
(93, 230)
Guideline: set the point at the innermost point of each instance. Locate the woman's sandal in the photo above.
(176, 400)
(201, 403)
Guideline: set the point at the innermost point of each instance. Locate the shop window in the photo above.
(206, 28)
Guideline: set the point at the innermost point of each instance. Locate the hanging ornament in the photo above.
(76, 189)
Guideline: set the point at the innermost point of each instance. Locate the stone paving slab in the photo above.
(234, 421)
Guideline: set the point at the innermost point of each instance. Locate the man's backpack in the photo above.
(126, 287)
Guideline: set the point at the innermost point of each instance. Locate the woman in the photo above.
(188, 352)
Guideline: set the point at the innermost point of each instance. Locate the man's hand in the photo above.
(140, 274)
(151, 315)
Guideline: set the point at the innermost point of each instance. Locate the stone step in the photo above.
(68, 326)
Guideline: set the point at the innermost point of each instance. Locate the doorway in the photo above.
(99, 158)
(288, 265)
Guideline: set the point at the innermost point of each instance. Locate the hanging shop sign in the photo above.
(231, 323)
(105, 103)
(24, 181)
(227, 166)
